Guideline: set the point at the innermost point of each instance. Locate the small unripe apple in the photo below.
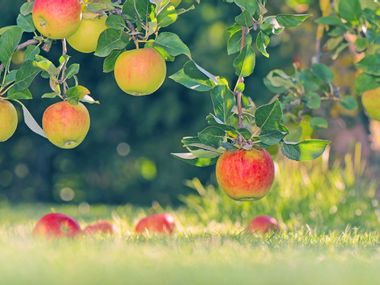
(245, 174)
(140, 72)
(56, 225)
(100, 228)
(158, 223)
(371, 103)
(263, 225)
(57, 19)
(85, 39)
(8, 120)
(18, 57)
(66, 125)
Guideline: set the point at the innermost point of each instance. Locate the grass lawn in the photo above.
(212, 254)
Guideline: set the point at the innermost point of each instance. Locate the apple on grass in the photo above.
(140, 72)
(85, 39)
(263, 225)
(57, 19)
(158, 223)
(100, 228)
(56, 225)
(245, 174)
(66, 125)
(8, 120)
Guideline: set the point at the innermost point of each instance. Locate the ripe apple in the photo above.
(85, 39)
(263, 225)
(371, 103)
(56, 225)
(66, 125)
(57, 19)
(158, 223)
(8, 120)
(102, 228)
(245, 174)
(140, 72)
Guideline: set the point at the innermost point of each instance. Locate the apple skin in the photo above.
(66, 125)
(85, 39)
(245, 174)
(140, 72)
(8, 120)
(100, 228)
(371, 103)
(263, 225)
(158, 223)
(56, 225)
(57, 19)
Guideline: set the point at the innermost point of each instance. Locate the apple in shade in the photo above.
(66, 125)
(8, 120)
(100, 228)
(57, 19)
(140, 72)
(56, 225)
(263, 224)
(86, 38)
(158, 223)
(245, 174)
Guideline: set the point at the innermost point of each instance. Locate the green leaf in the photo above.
(109, 61)
(26, 8)
(305, 150)
(269, 116)
(291, 21)
(45, 65)
(370, 64)
(234, 39)
(278, 81)
(244, 19)
(9, 41)
(319, 123)
(31, 52)
(49, 95)
(190, 77)
(75, 94)
(190, 158)
(262, 42)
(172, 44)
(167, 17)
(223, 101)
(25, 75)
(136, 10)
(350, 10)
(349, 103)
(212, 136)
(329, 20)
(251, 6)
(323, 72)
(115, 22)
(365, 82)
(313, 100)
(245, 62)
(269, 138)
(110, 40)
(26, 23)
(20, 95)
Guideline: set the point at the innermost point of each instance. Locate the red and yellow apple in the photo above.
(66, 125)
(56, 225)
(100, 228)
(371, 103)
(85, 39)
(158, 223)
(8, 120)
(263, 225)
(140, 72)
(57, 19)
(245, 174)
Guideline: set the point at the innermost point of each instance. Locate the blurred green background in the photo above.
(126, 156)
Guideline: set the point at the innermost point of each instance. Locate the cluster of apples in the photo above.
(56, 225)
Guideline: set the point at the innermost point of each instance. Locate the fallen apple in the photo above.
(158, 223)
(56, 225)
(263, 225)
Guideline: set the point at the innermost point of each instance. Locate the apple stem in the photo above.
(133, 34)
(63, 69)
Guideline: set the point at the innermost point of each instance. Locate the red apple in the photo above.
(263, 225)
(57, 19)
(159, 223)
(100, 228)
(245, 174)
(56, 225)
